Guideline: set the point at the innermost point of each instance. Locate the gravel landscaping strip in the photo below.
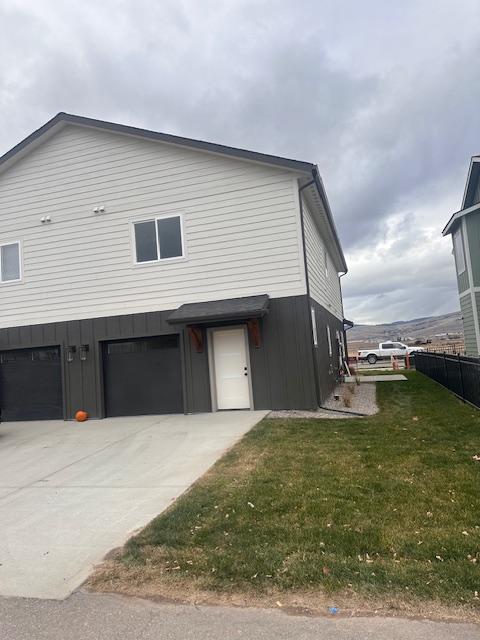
(353, 400)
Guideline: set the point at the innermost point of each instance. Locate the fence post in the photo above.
(461, 376)
(445, 368)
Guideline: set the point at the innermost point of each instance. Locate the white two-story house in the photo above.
(145, 273)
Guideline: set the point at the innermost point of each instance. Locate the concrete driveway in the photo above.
(71, 492)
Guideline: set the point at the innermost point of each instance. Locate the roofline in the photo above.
(473, 161)
(244, 154)
(323, 195)
(457, 216)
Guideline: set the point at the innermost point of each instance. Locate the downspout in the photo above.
(343, 316)
(307, 284)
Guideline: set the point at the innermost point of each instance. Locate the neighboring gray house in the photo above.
(464, 226)
(148, 273)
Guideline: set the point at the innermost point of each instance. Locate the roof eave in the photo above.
(20, 149)
(458, 215)
(323, 195)
(474, 163)
(200, 145)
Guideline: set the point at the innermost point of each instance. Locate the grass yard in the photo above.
(380, 509)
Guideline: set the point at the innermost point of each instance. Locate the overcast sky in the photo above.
(382, 95)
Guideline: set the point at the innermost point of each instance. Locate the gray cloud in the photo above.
(383, 96)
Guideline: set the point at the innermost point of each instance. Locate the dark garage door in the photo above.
(143, 376)
(31, 384)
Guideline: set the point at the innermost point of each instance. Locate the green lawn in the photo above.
(386, 506)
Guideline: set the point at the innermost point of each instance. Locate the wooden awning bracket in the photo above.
(254, 333)
(197, 338)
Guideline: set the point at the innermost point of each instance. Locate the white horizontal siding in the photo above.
(241, 227)
(324, 288)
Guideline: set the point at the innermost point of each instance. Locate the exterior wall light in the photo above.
(71, 350)
(84, 348)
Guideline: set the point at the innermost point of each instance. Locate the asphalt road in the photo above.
(86, 616)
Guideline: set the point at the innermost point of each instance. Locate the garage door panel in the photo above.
(143, 376)
(31, 384)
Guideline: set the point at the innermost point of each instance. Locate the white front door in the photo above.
(231, 369)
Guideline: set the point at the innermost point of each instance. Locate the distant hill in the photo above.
(419, 328)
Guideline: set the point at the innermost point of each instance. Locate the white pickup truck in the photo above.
(386, 350)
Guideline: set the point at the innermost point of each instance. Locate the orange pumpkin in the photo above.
(81, 416)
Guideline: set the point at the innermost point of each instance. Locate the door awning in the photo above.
(219, 310)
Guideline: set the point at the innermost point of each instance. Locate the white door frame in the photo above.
(211, 364)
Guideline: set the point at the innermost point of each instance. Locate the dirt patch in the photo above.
(111, 577)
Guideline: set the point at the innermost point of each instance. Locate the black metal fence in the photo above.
(460, 374)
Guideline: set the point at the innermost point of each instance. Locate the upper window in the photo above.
(459, 252)
(10, 262)
(325, 262)
(159, 239)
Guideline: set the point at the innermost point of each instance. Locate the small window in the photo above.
(159, 239)
(10, 262)
(329, 339)
(314, 327)
(340, 344)
(459, 251)
(46, 354)
(325, 260)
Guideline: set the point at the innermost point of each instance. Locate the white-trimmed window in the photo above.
(159, 239)
(340, 344)
(329, 340)
(314, 327)
(10, 258)
(459, 251)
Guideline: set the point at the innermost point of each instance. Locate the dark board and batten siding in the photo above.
(282, 368)
(82, 380)
(327, 366)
